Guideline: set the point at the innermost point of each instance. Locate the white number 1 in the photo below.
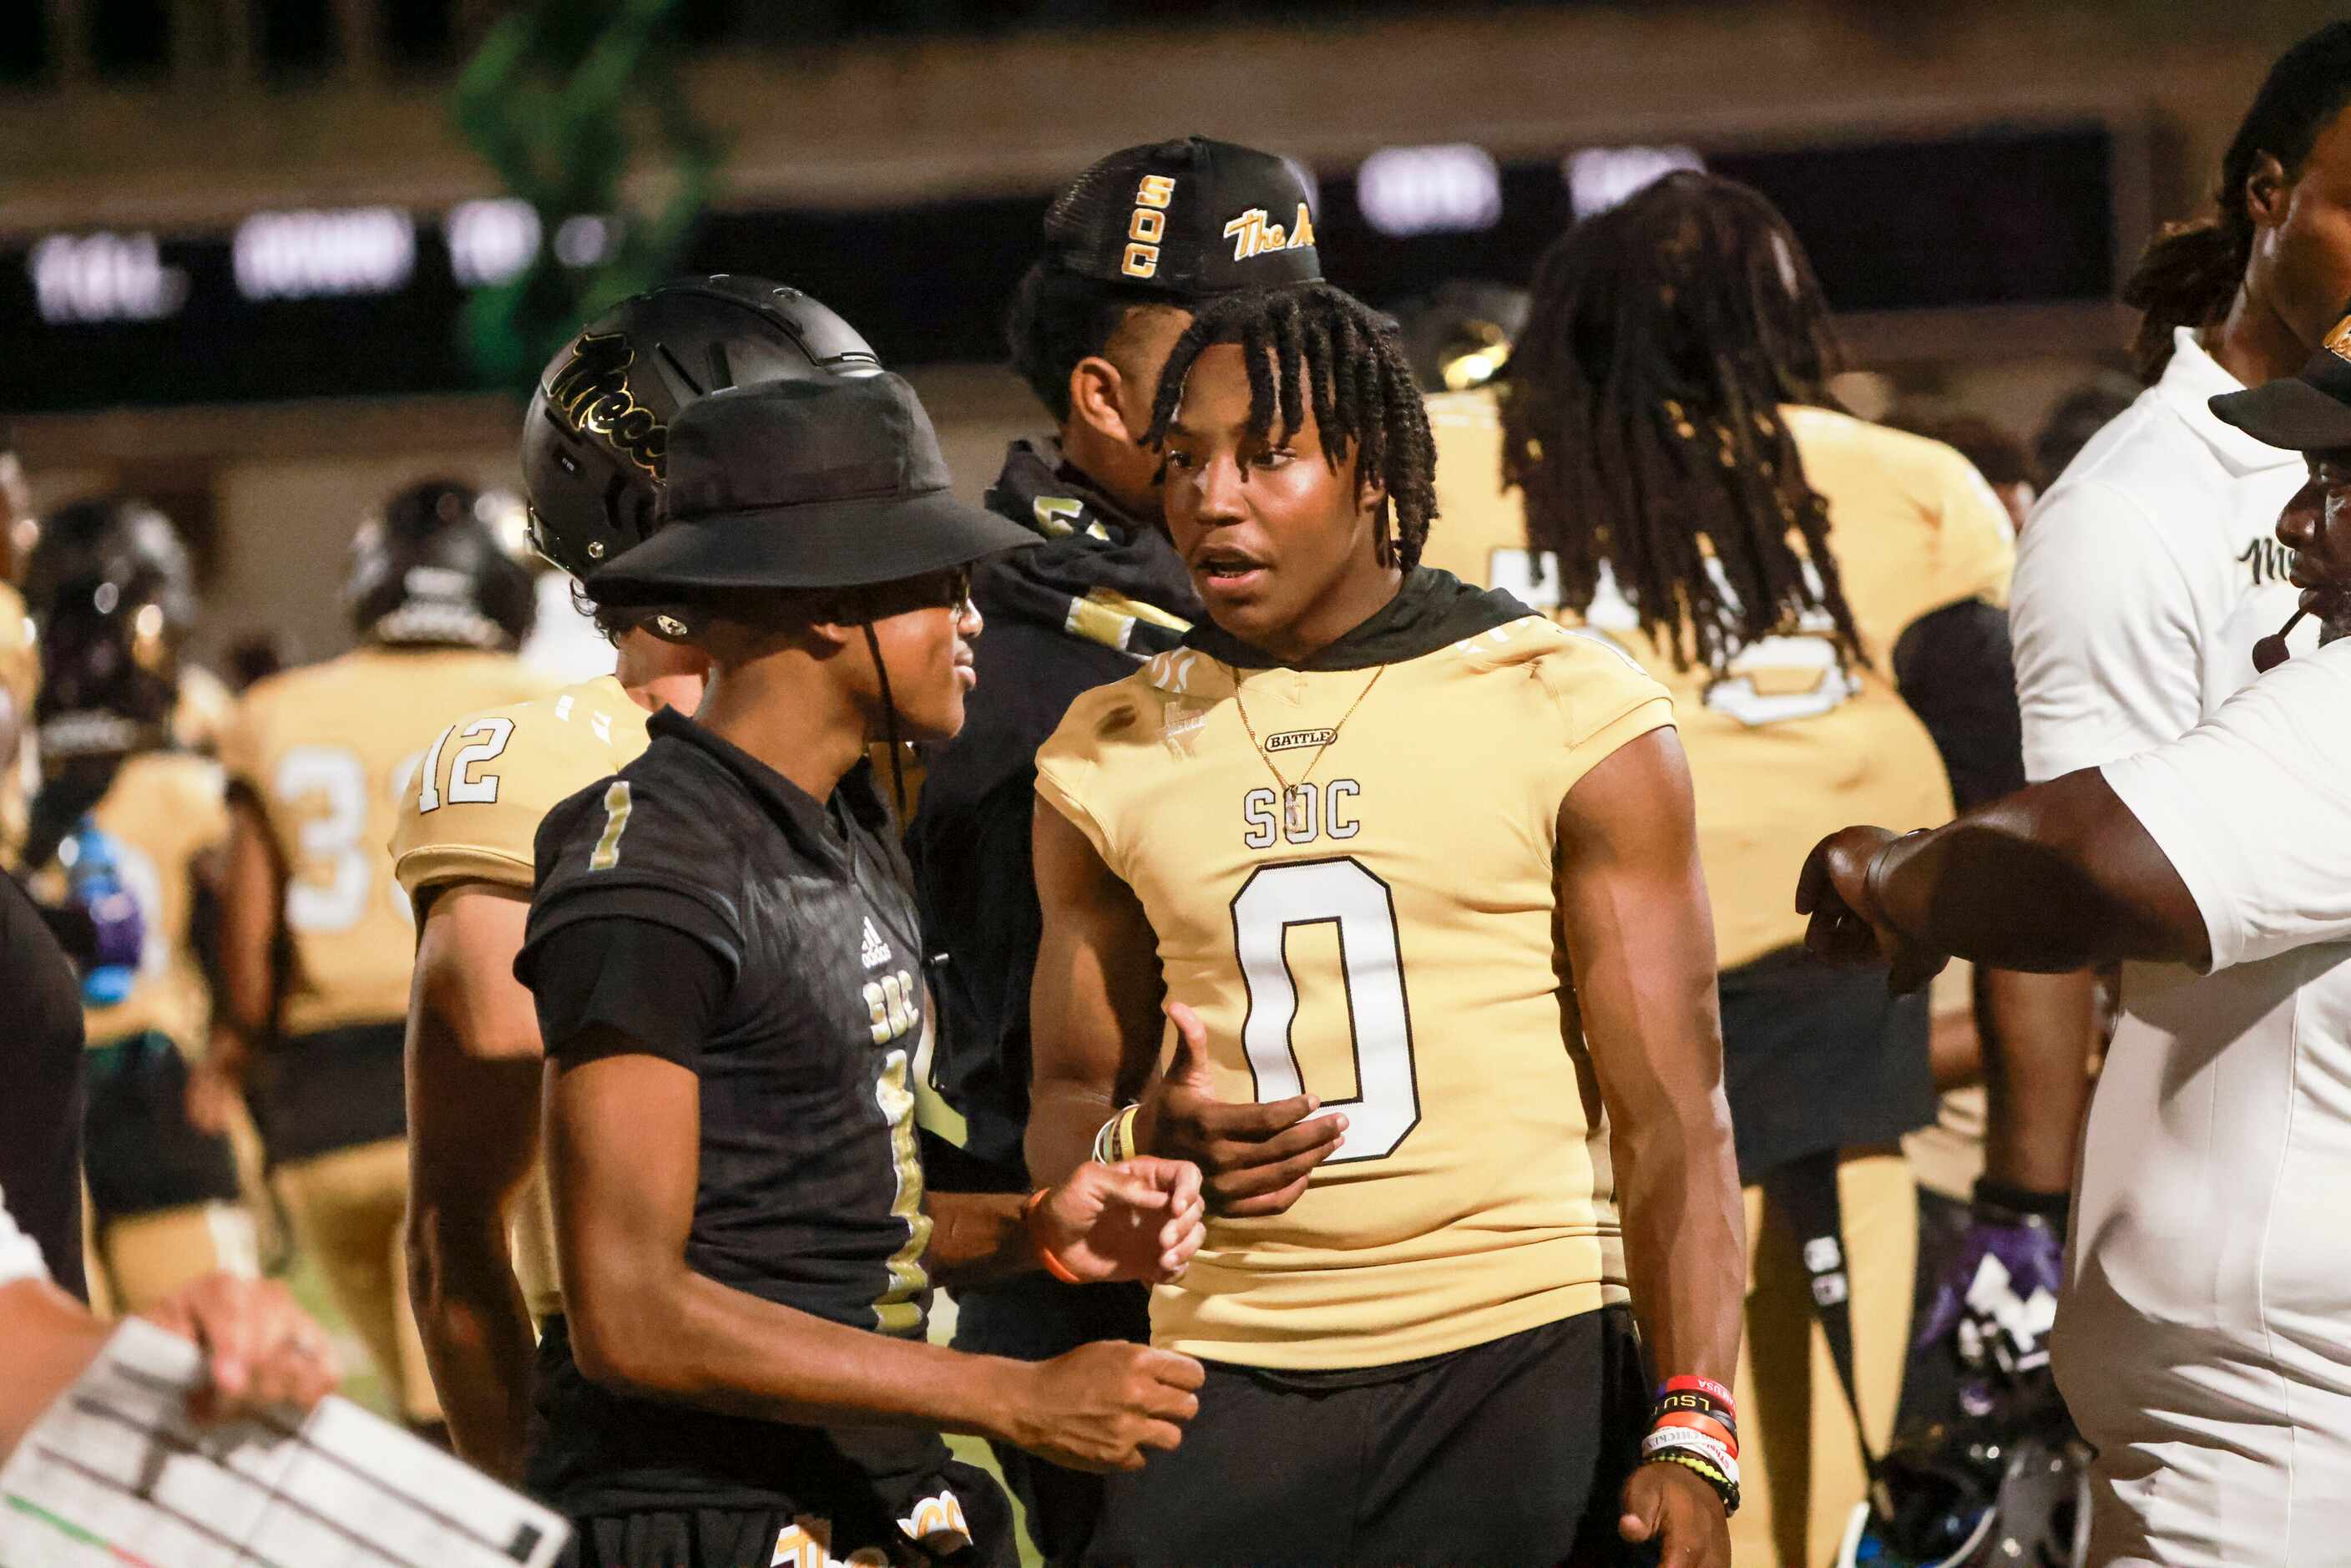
(1342, 892)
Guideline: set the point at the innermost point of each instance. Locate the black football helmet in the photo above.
(110, 670)
(1980, 1493)
(123, 541)
(595, 441)
(431, 569)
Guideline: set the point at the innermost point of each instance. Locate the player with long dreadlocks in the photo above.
(1780, 568)
(1408, 861)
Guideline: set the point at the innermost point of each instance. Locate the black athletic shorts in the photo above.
(1035, 1317)
(337, 1089)
(762, 1537)
(140, 1153)
(1513, 1452)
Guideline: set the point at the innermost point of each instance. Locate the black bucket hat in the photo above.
(830, 483)
(2307, 413)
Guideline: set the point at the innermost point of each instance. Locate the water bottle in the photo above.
(94, 882)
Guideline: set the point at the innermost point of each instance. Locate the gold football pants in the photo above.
(1800, 1465)
(349, 1210)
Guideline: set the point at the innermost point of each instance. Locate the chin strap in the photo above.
(889, 723)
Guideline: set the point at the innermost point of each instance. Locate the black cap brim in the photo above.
(2289, 413)
(829, 544)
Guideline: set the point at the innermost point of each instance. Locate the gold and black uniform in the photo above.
(705, 909)
(1824, 1072)
(164, 1198)
(476, 822)
(328, 752)
(1350, 869)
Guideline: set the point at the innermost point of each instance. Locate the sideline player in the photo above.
(1405, 851)
(1684, 471)
(316, 941)
(722, 950)
(2149, 571)
(1100, 591)
(122, 808)
(481, 1254)
(2200, 1340)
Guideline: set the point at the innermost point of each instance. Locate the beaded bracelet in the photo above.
(1725, 1487)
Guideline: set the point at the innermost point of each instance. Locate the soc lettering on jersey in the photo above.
(1379, 931)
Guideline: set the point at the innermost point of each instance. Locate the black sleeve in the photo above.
(619, 976)
(1953, 668)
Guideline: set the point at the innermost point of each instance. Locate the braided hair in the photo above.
(1309, 344)
(1641, 417)
(2190, 274)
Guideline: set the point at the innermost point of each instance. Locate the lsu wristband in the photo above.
(1045, 1255)
(1706, 1385)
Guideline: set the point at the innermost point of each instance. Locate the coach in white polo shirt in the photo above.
(2204, 1339)
(2147, 572)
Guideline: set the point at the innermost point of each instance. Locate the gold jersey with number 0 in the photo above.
(1384, 941)
(164, 812)
(473, 817)
(330, 750)
(1789, 744)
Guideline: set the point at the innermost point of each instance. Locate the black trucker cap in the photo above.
(1191, 218)
(2306, 412)
(830, 483)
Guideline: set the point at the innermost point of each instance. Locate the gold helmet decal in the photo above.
(591, 389)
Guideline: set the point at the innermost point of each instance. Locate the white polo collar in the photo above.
(2192, 379)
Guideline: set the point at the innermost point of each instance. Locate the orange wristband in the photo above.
(1054, 1265)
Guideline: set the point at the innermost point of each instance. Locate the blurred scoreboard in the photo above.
(370, 301)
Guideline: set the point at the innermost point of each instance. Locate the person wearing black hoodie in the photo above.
(1131, 247)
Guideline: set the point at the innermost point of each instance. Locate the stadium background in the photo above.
(255, 266)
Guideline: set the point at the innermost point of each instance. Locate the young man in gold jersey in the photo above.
(481, 1255)
(125, 810)
(1779, 566)
(316, 938)
(1389, 847)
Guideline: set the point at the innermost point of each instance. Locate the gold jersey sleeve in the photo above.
(473, 815)
(20, 683)
(494, 776)
(1384, 938)
(1789, 743)
(165, 811)
(330, 751)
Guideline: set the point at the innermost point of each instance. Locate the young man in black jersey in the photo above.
(1131, 247)
(723, 955)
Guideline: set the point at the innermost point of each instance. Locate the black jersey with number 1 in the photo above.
(698, 907)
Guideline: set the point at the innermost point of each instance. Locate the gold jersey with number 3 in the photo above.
(474, 815)
(1789, 743)
(329, 750)
(1385, 940)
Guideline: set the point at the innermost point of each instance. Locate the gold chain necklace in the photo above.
(1294, 796)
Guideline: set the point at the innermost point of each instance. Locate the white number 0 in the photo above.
(1340, 893)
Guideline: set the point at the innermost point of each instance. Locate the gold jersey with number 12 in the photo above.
(1384, 939)
(1789, 743)
(329, 750)
(473, 815)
